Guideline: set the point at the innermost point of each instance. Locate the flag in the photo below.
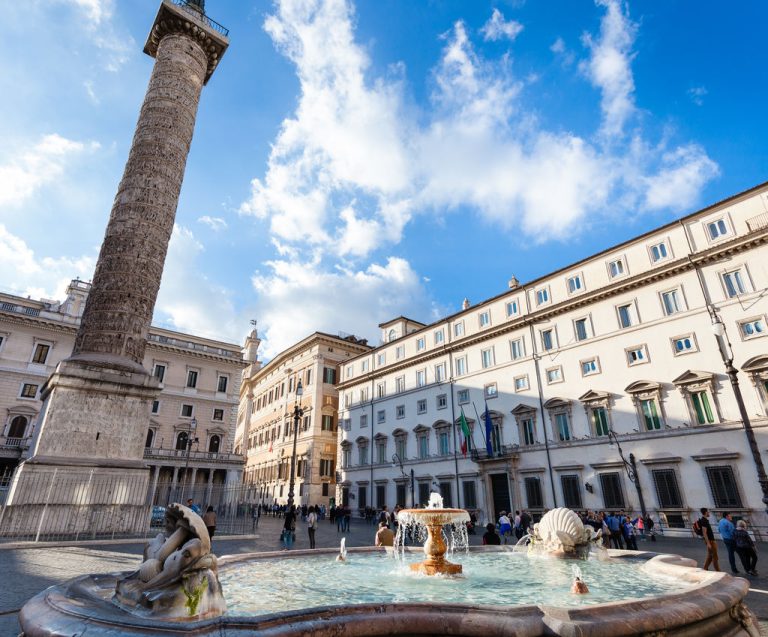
(488, 431)
(465, 430)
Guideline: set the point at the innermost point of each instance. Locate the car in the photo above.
(158, 516)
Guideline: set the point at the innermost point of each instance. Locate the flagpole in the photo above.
(478, 424)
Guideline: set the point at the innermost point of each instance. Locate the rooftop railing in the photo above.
(192, 8)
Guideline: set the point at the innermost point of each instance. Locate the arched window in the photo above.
(181, 441)
(18, 427)
(391, 336)
(214, 444)
(150, 438)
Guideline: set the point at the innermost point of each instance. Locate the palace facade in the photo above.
(600, 384)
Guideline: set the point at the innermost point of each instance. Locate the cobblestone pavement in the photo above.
(28, 569)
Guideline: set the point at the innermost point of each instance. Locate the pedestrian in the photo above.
(384, 516)
(614, 525)
(384, 536)
(726, 529)
(640, 526)
(289, 528)
(517, 526)
(628, 531)
(745, 547)
(505, 526)
(193, 506)
(311, 525)
(490, 536)
(709, 540)
(347, 518)
(648, 523)
(209, 519)
(525, 522)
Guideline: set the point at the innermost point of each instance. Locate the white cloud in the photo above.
(680, 178)
(608, 67)
(214, 223)
(27, 171)
(497, 27)
(558, 46)
(697, 94)
(25, 274)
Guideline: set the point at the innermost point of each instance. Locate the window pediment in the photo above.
(693, 377)
(441, 424)
(420, 429)
(361, 440)
(594, 396)
(523, 410)
(643, 387)
(399, 433)
(557, 403)
(495, 415)
(22, 410)
(380, 436)
(756, 364)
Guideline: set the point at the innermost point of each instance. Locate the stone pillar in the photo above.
(95, 414)
(155, 477)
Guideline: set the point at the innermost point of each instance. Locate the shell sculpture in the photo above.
(561, 531)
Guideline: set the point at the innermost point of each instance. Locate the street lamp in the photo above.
(298, 412)
(726, 352)
(191, 439)
(630, 466)
(398, 461)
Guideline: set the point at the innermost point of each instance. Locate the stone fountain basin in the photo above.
(710, 605)
(432, 517)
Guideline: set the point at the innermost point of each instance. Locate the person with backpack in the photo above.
(745, 547)
(704, 529)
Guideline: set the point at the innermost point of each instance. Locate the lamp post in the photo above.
(630, 466)
(298, 412)
(398, 461)
(726, 352)
(191, 439)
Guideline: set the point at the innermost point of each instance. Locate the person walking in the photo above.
(311, 525)
(289, 528)
(505, 526)
(709, 540)
(209, 519)
(745, 547)
(614, 525)
(628, 531)
(384, 536)
(726, 529)
(347, 519)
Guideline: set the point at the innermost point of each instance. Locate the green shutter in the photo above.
(698, 407)
(707, 407)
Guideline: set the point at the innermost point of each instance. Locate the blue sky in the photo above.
(357, 161)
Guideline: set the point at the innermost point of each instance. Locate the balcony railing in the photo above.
(151, 453)
(21, 309)
(14, 443)
(755, 223)
(189, 7)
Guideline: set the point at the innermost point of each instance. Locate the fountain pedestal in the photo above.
(434, 547)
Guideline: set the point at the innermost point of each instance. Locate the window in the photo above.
(192, 378)
(517, 348)
(309, 376)
(702, 407)
(147, 443)
(420, 344)
(563, 426)
(41, 353)
(637, 355)
(443, 443)
(381, 390)
(400, 447)
(364, 365)
(221, 386)
(542, 296)
(326, 423)
(421, 377)
(182, 441)
(214, 443)
(187, 411)
(421, 406)
(724, 489)
(28, 390)
(159, 372)
(440, 373)
(717, 229)
(554, 375)
(442, 401)
(580, 327)
(381, 416)
(364, 395)
(600, 421)
(734, 283)
(684, 344)
(155, 406)
(329, 375)
(752, 328)
(491, 390)
(400, 352)
(533, 493)
(381, 358)
(650, 413)
(462, 396)
(571, 491)
(484, 318)
(575, 284)
(486, 357)
(470, 495)
(589, 367)
(659, 252)
(400, 411)
(327, 467)
(362, 454)
(439, 337)
(671, 302)
(350, 369)
(458, 329)
(346, 457)
(461, 366)
(626, 315)
(381, 452)
(363, 421)
(613, 496)
(399, 384)
(667, 492)
(529, 433)
(391, 335)
(218, 414)
(616, 268)
(521, 383)
(512, 308)
(423, 444)
(547, 339)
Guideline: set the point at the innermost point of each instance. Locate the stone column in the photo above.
(96, 404)
(155, 476)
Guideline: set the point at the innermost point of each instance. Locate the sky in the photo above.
(357, 161)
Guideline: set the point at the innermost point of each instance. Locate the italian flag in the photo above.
(465, 444)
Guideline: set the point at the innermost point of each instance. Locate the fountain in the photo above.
(434, 517)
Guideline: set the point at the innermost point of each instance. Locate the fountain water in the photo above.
(433, 518)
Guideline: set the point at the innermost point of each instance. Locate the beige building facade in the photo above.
(618, 347)
(265, 429)
(191, 424)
